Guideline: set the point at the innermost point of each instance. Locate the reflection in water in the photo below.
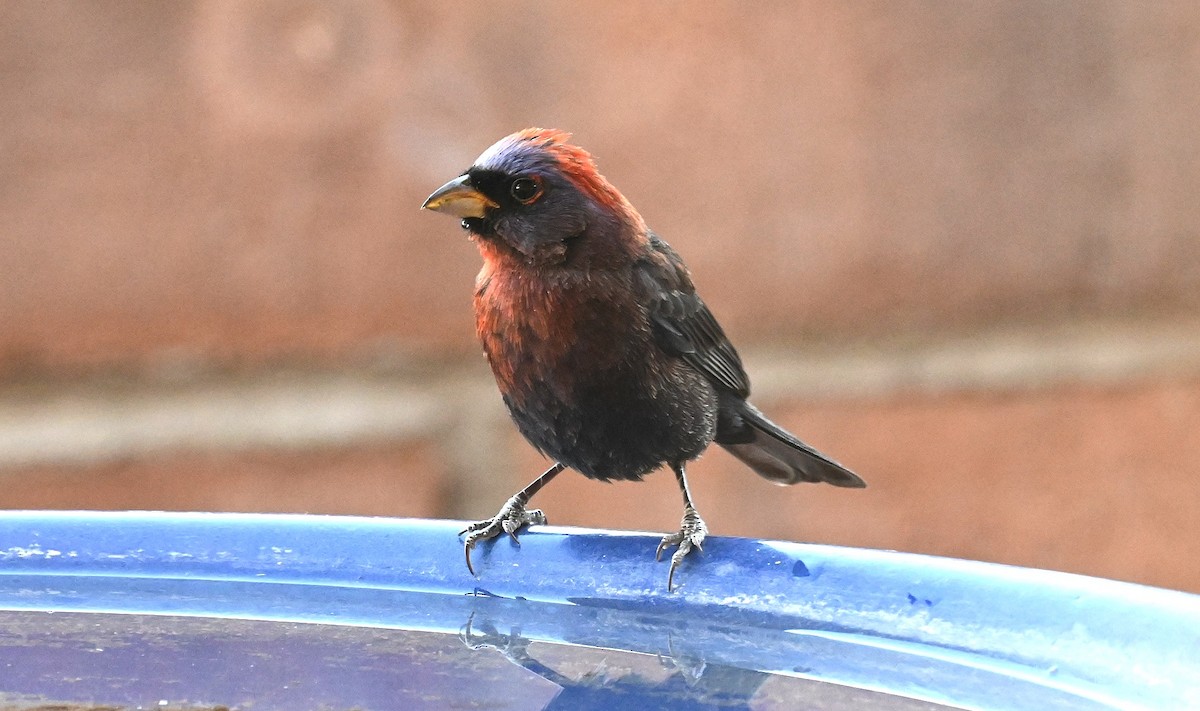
(601, 652)
(615, 680)
(508, 654)
(596, 678)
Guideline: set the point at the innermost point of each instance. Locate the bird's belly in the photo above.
(618, 424)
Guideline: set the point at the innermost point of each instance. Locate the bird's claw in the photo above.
(512, 517)
(692, 531)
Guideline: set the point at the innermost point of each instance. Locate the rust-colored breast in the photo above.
(555, 330)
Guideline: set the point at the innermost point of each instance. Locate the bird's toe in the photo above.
(512, 517)
(691, 535)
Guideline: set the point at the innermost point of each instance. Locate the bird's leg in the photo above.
(691, 530)
(512, 517)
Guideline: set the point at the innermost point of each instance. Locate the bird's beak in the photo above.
(459, 198)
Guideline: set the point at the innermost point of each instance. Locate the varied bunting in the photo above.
(609, 362)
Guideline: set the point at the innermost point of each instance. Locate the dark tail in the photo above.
(774, 453)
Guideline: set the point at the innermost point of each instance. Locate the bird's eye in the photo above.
(525, 190)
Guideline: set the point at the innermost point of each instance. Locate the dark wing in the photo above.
(683, 325)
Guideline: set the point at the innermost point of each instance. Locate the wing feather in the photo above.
(682, 322)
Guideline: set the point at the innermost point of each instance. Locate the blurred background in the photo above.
(956, 243)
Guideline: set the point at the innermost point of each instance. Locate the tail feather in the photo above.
(777, 455)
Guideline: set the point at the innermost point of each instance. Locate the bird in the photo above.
(609, 362)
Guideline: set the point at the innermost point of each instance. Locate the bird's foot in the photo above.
(691, 535)
(512, 517)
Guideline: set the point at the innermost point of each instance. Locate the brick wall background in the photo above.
(957, 244)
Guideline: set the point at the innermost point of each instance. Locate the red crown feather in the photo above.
(579, 166)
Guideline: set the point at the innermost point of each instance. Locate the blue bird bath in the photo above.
(266, 612)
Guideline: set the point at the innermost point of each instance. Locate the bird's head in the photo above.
(534, 196)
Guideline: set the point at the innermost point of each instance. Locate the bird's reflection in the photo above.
(609, 679)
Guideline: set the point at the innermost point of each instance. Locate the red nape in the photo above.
(579, 166)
